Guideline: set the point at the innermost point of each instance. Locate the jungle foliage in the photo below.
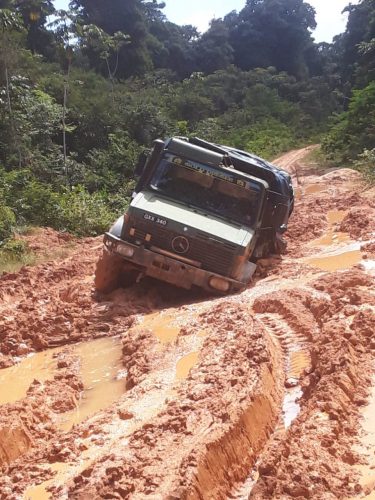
(84, 91)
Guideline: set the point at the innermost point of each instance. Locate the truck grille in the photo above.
(215, 255)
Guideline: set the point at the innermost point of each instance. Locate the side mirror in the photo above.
(142, 160)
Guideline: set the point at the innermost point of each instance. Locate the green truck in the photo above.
(202, 214)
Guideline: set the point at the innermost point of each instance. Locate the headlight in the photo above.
(219, 284)
(125, 250)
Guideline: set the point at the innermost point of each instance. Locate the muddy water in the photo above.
(40, 492)
(337, 257)
(102, 374)
(100, 365)
(332, 237)
(163, 326)
(15, 381)
(336, 261)
(185, 364)
(143, 408)
(336, 216)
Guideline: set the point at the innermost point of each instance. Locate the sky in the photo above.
(199, 13)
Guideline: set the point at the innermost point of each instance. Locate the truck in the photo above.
(202, 214)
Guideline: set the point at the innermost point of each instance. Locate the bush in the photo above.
(38, 204)
(366, 164)
(84, 214)
(266, 139)
(14, 254)
(7, 222)
(353, 131)
(14, 249)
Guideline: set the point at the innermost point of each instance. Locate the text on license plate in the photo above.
(155, 218)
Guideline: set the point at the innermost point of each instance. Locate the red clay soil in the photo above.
(204, 380)
(210, 431)
(313, 459)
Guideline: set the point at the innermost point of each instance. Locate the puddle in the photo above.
(332, 237)
(163, 326)
(336, 216)
(101, 362)
(185, 364)
(336, 261)
(338, 258)
(16, 380)
(112, 432)
(40, 492)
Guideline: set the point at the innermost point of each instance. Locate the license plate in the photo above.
(156, 219)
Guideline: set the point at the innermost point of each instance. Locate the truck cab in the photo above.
(197, 217)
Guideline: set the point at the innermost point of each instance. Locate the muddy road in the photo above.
(158, 393)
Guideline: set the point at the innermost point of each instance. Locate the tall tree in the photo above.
(272, 33)
(172, 47)
(129, 17)
(34, 14)
(355, 45)
(213, 49)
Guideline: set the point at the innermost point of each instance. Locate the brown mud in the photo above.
(155, 392)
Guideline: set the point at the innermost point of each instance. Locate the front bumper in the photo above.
(167, 268)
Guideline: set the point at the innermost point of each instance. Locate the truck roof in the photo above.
(196, 153)
(278, 180)
(241, 161)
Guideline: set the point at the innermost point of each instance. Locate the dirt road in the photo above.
(158, 393)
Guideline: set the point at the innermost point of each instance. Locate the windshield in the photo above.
(208, 188)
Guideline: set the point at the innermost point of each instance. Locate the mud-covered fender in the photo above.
(116, 229)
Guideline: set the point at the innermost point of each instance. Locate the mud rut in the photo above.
(154, 392)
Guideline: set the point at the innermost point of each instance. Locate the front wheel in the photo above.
(107, 273)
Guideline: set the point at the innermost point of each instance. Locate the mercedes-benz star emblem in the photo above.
(180, 244)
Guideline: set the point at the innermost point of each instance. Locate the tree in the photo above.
(34, 14)
(213, 50)
(115, 16)
(355, 46)
(9, 24)
(272, 33)
(172, 47)
(106, 46)
(354, 130)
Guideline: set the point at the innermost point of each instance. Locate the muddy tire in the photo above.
(128, 277)
(107, 273)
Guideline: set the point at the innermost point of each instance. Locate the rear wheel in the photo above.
(108, 271)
